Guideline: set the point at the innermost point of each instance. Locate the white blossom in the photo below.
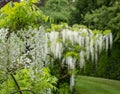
(91, 45)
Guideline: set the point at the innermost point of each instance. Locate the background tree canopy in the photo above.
(101, 14)
(59, 10)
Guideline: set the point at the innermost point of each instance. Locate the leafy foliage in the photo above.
(40, 84)
(82, 7)
(98, 19)
(64, 88)
(22, 56)
(104, 18)
(59, 10)
(70, 47)
(19, 15)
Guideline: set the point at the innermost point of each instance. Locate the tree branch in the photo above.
(64, 76)
(16, 83)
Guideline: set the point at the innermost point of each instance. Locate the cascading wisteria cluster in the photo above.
(3, 33)
(56, 43)
(24, 49)
(91, 42)
(34, 43)
(14, 47)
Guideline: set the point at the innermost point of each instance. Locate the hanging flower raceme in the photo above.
(24, 52)
(90, 42)
(76, 44)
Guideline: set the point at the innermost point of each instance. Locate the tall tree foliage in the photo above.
(102, 21)
(104, 18)
(59, 10)
(82, 7)
(19, 15)
(86, 6)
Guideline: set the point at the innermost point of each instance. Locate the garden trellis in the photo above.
(88, 43)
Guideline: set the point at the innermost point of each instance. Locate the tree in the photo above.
(102, 21)
(16, 16)
(86, 6)
(59, 10)
(70, 47)
(107, 17)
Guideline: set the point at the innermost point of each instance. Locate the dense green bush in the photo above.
(41, 84)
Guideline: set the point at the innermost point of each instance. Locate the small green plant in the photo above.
(64, 89)
(42, 81)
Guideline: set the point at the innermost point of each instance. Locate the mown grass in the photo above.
(93, 85)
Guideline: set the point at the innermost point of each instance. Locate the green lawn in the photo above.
(92, 85)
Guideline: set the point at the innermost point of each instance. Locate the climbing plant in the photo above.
(72, 46)
(22, 63)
